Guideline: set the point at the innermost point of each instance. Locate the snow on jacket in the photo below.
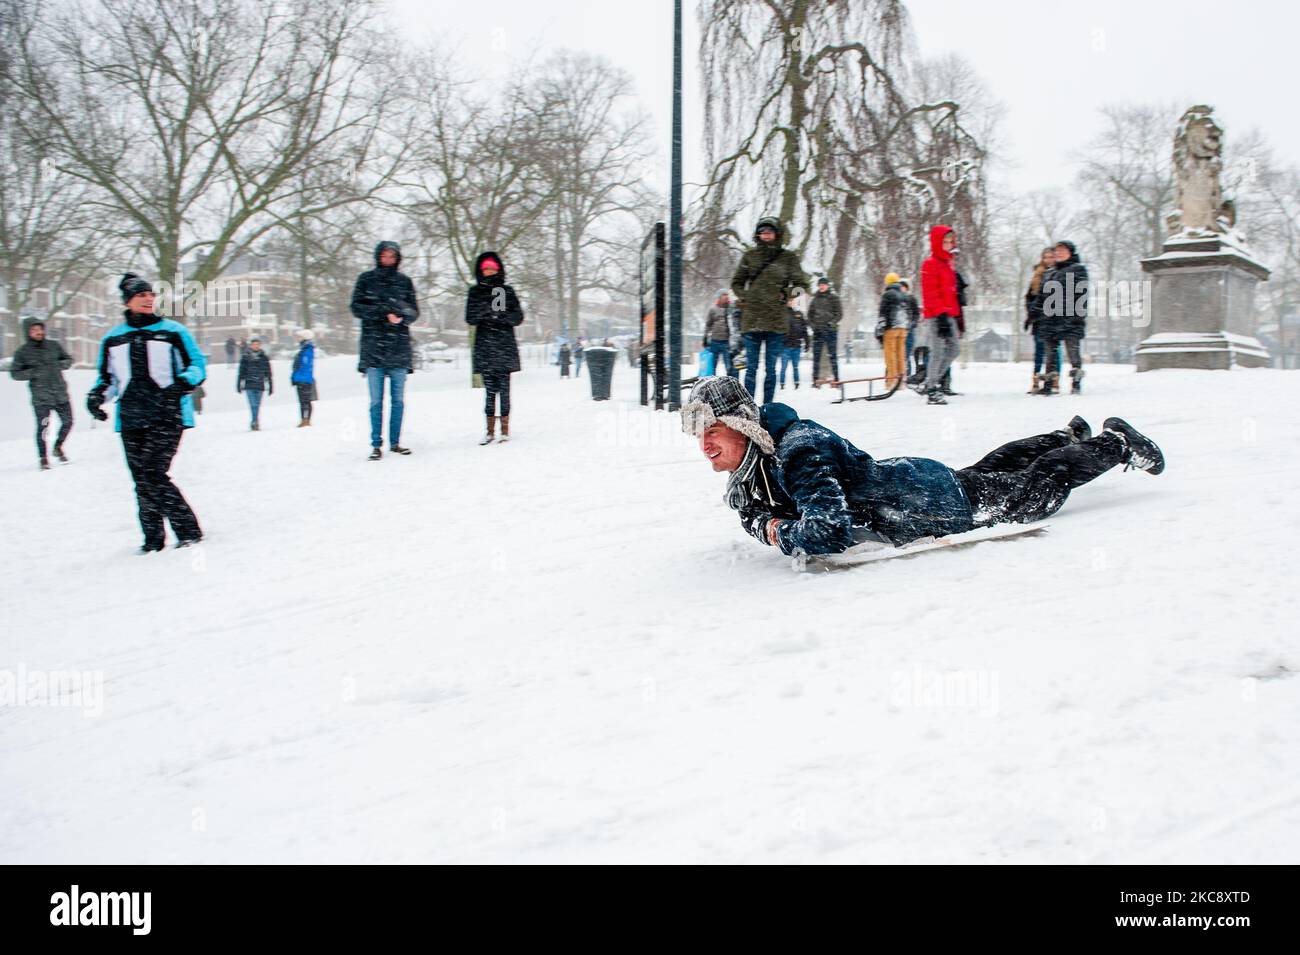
(255, 372)
(41, 364)
(304, 365)
(139, 362)
(493, 309)
(1065, 300)
(764, 279)
(939, 278)
(824, 312)
(378, 293)
(821, 487)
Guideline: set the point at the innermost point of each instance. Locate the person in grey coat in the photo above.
(41, 363)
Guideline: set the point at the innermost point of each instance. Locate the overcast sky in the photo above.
(1051, 65)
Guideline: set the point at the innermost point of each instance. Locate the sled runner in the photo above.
(869, 551)
(871, 394)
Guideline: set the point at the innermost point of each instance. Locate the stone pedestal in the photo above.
(1202, 305)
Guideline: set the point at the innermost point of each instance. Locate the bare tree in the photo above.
(1129, 160)
(593, 148)
(205, 125)
(48, 238)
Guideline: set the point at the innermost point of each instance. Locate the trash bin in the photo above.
(600, 368)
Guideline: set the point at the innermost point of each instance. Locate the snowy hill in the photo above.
(564, 649)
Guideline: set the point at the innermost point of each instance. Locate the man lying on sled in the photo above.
(803, 488)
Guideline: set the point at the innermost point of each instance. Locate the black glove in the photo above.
(1029, 323)
(93, 402)
(943, 325)
(755, 521)
(361, 369)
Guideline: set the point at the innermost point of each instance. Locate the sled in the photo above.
(871, 394)
(870, 551)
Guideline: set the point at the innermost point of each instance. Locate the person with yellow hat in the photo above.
(891, 329)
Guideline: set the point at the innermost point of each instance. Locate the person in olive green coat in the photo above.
(767, 276)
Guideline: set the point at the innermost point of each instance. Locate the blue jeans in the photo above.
(755, 342)
(720, 353)
(396, 391)
(254, 396)
(911, 337)
(790, 356)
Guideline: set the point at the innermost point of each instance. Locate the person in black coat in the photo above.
(41, 362)
(254, 379)
(1064, 316)
(383, 300)
(492, 309)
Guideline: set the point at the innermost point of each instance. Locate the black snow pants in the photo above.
(149, 455)
(43, 411)
(1029, 479)
(306, 395)
(496, 384)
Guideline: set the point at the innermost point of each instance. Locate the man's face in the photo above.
(256, 346)
(949, 241)
(141, 302)
(1048, 257)
(767, 234)
(490, 269)
(36, 333)
(823, 287)
(388, 258)
(1060, 254)
(724, 447)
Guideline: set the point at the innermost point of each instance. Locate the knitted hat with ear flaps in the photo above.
(724, 400)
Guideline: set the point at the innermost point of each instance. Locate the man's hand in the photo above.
(756, 523)
(772, 526)
(943, 325)
(93, 402)
(394, 319)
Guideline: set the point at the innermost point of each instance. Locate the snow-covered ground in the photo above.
(565, 650)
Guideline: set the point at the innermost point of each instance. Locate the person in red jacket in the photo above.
(939, 310)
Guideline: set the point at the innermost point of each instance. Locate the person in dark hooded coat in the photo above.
(766, 278)
(383, 300)
(41, 362)
(493, 311)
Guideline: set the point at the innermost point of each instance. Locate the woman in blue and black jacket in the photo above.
(303, 375)
(151, 364)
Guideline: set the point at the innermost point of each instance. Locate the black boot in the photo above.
(398, 449)
(1077, 430)
(375, 454)
(1076, 381)
(1140, 451)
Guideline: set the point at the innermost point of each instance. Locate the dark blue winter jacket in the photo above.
(824, 487)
